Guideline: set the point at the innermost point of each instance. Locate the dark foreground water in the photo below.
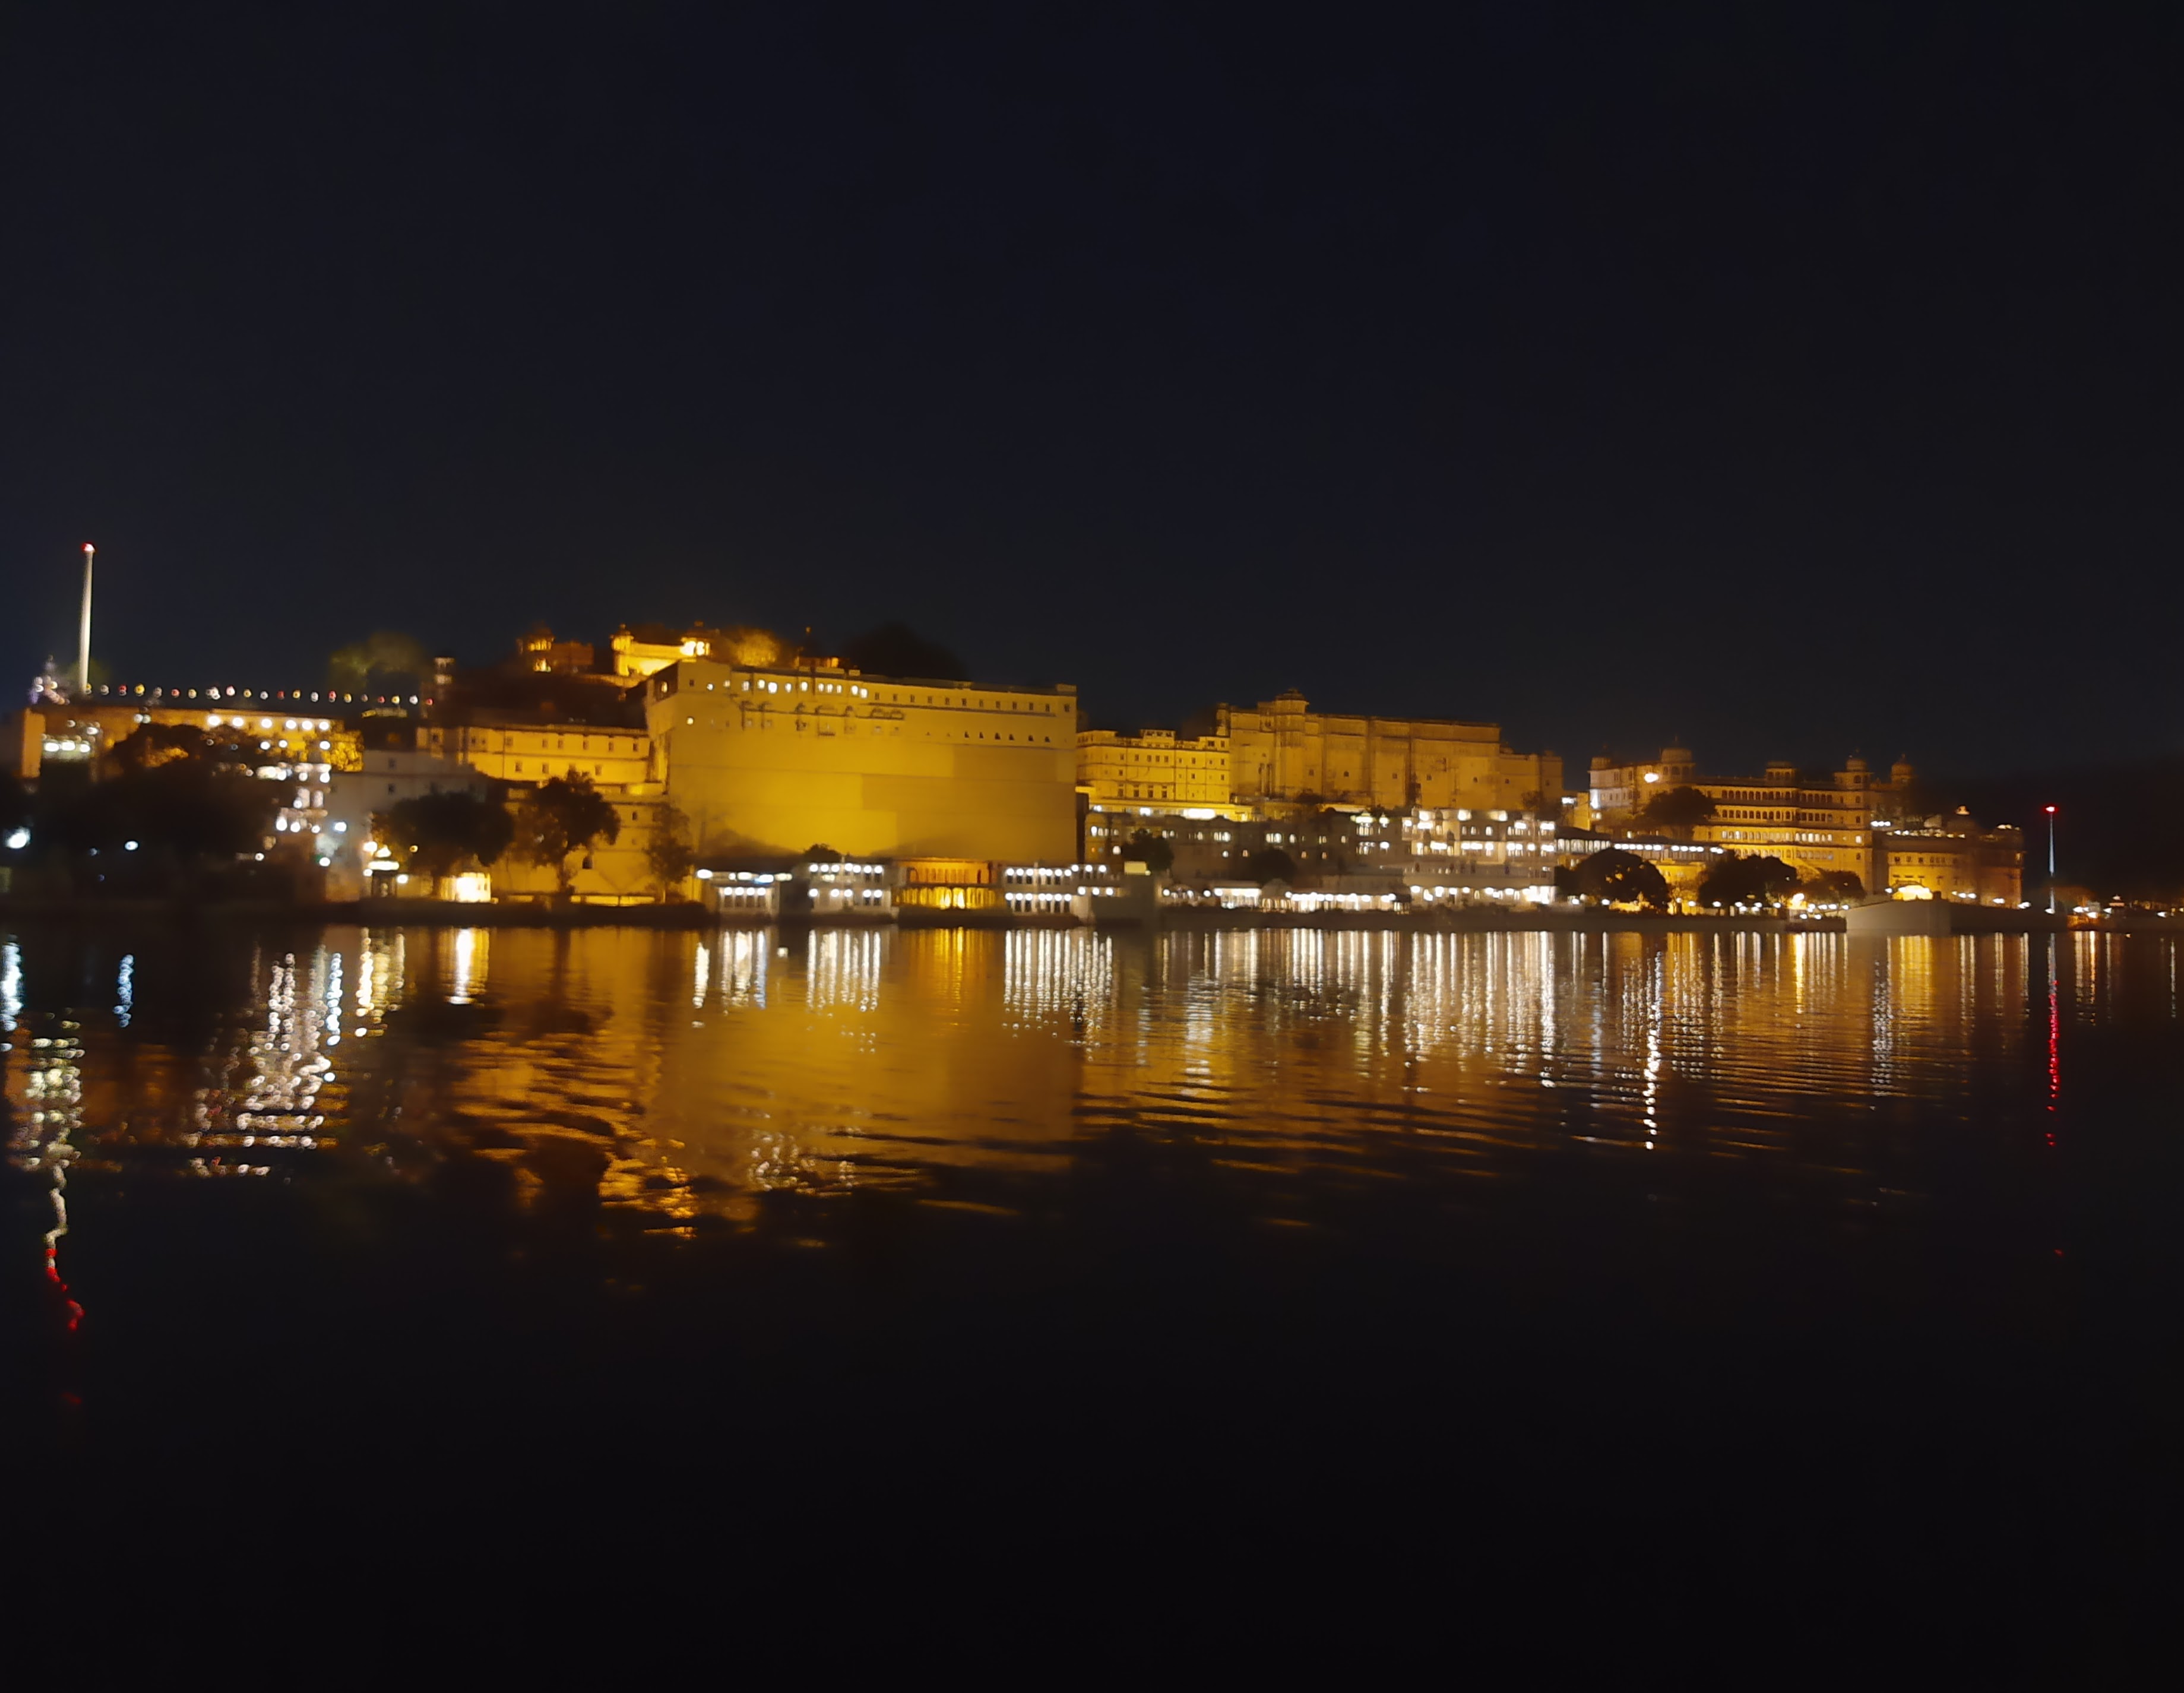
(1720, 1303)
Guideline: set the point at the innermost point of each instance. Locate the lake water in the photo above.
(1796, 1277)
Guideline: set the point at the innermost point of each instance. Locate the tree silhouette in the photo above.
(1621, 878)
(1677, 811)
(667, 855)
(439, 832)
(563, 816)
(192, 810)
(1735, 880)
(1149, 849)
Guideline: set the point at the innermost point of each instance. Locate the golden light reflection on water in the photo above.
(677, 1075)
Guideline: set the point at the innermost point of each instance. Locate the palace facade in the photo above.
(1815, 822)
(769, 759)
(1282, 751)
(1154, 767)
(1951, 857)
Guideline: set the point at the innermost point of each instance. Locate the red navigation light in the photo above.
(2049, 809)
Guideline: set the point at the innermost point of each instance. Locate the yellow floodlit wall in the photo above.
(528, 752)
(1283, 749)
(768, 759)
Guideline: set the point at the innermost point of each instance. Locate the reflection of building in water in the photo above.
(953, 1064)
(381, 973)
(472, 948)
(949, 965)
(266, 1098)
(1689, 1043)
(745, 955)
(1495, 994)
(46, 1091)
(842, 967)
(852, 1081)
(1062, 979)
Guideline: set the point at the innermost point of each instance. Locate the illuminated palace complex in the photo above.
(1816, 823)
(1374, 804)
(748, 753)
(1848, 820)
(1284, 754)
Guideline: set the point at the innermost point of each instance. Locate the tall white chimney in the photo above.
(83, 641)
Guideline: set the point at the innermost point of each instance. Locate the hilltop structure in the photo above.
(1284, 754)
(645, 648)
(1283, 750)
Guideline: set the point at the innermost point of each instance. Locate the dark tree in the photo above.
(820, 853)
(1835, 887)
(1270, 864)
(1622, 879)
(1735, 880)
(1677, 811)
(153, 744)
(438, 833)
(564, 815)
(897, 649)
(193, 810)
(232, 747)
(1919, 799)
(668, 855)
(1149, 849)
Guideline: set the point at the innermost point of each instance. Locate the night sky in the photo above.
(1786, 379)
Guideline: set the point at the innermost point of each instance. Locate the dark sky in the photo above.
(1786, 378)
